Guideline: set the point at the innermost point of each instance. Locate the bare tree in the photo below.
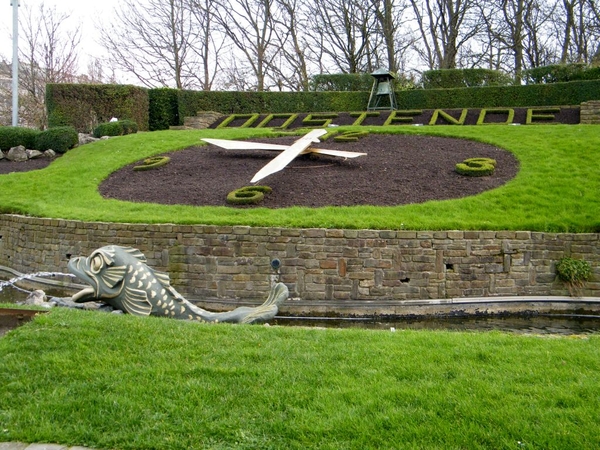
(154, 41)
(291, 24)
(540, 43)
(577, 24)
(250, 26)
(391, 22)
(345, 30)
(47, 54)
(445, 26)
(207, 43)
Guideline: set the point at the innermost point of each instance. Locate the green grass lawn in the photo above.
(123, 382)
(557, 188)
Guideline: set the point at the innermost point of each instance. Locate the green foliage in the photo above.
(153, 163)
(571, 93)
(14, 136)
(447, 118)
(250, 119)
(350, 136)
(560, 73)
(290, 118)
(507, 113)
(248, 195)
(59, 139)
(342, 82)
(117, 128)
(85, 105)
(457, 78)
(476, 167)
(540, 114)
(129, 126)
(319, 120)
(574, 272)
(108, 129)
(272, 102)
(163, 109)
(399, 117)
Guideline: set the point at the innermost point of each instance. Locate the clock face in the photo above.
(396, 170)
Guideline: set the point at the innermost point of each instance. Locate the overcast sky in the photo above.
(85, 12)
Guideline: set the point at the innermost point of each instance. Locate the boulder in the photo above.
(86, 139)
(50, 153)
(33, 154)
(2, 155)
(18, 153)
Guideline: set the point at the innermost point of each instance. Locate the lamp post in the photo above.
(15, 64)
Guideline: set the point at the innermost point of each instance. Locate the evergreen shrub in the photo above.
(118, 128)
(14, 136)
(108, 129)
(560, 73)
(59, 139)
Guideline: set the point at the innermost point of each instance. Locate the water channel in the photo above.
(530, 322)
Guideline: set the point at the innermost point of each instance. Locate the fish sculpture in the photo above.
(120, 277)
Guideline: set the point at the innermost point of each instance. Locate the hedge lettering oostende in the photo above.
(449, 116)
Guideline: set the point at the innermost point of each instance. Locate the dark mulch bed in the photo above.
(397, 170)
(7, 166)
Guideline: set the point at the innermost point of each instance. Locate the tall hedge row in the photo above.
(456, 78)
(555, 94)
(272, 102)
(164, 108)
(86, 105)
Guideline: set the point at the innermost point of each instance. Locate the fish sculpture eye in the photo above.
(96, 263)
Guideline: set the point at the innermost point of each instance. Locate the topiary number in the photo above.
(476, 167)
(248, 195)
(153, 163)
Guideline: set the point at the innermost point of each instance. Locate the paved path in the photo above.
(22, 446)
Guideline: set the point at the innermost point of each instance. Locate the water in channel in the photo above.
(527, 323)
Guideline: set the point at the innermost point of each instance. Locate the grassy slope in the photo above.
(124, 382)
(557, 188)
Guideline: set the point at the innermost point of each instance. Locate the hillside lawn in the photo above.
(557, 188)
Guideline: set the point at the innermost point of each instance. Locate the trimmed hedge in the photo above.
(572, 93)
(190, 102)
(14, 136)
(457, 78)
(86, 105)
(560, 73)
(164, 105)
(342, 82)
(117, 128)
(59, 139)
(248, 195)
(476, 167)
(152, 163)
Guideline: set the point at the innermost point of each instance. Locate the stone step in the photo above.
(202, 120)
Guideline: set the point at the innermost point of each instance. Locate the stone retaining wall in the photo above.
(235, 262)
(590, 113)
